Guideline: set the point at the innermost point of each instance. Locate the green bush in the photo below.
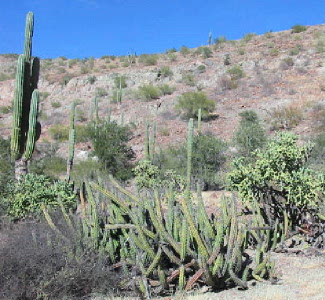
(250, 135)
(317, 156)
(164, 72)
(190, 102)
(101, 92)
(206, 52)
(91, 79)
(166, 89)
(148, 59)
(50, 166)
(188, 79)
(208, 157)
(248, 37)
(184, 50)
(149, 92)
(120, 82)
(59, 132)
(110, 146)
(279, 178)
(56, 104)
(35, 190)
(236, 72)
(298, 28)
(172, 50)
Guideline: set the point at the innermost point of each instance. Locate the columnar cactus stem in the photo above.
(72, 140)
(189, 153)
(26, 98)
(199, 120)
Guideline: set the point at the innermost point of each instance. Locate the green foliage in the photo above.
(285, 117)
(34, 190)
(120, 82)
(49, 165)
(279, 172)
(148, 59)
(149, 92)
(220, 40)
(164, 72)
(190, 102)
(56, 104)
(208, 157)
(166, 89)
(184, 50)
(91, 79)
(317, 157)
(236, 72)
(206, 52)
(298, 28)
(250, 134)
(101, 92)
(149, 176)
(172, 50)
(59, 132)
(248, 37)
(188, 79)
(110, 146)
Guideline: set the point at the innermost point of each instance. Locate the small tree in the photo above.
(110, 146)
(250, 134)
(279, 179)
(190, 102)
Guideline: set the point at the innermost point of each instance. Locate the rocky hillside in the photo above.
(280, 75)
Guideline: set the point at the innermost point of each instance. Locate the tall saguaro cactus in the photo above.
(26, 97)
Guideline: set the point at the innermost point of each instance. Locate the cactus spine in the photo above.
(26, 99)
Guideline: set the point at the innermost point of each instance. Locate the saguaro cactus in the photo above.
(72, 140)
(26, 97)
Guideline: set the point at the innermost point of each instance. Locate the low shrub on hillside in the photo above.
(190, 102)
(298, 28)
(149, 92)
(148, 59)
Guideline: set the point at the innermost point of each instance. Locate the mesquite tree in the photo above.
(26, 97)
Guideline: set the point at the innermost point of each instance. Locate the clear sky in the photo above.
(83, 28)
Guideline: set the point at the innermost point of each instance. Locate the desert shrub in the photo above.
(250, 135)
(298, 28)
(148, 59)
(201, 68)
(149, 92)
(226, 60)
(101, 92)
(120, 82)
(5, 109)
(279, 179)
(206, 52)
(37, 264)
(56, 104)
(110, 146)
(236, 72)
(320, 46)
(286, 63)
(149, 176)
(274, 52)
(248, 37)
(91, 79)
(190, 102)
(208, 157)
(33, 191)
(164, 72)
(285, 117)
(188, 79)
(171, 50)
(184, 50)
(59, 132)
(50, 165)
(166, 89)
(220, 40)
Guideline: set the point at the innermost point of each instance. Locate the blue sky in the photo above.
(83, 28)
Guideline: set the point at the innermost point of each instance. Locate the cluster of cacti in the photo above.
(149, 142)
(167, 240)
(25, 109)
(199, 120)
(72, 140)
(176, 247)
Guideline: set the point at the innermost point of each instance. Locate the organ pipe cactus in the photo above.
(26, 98)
